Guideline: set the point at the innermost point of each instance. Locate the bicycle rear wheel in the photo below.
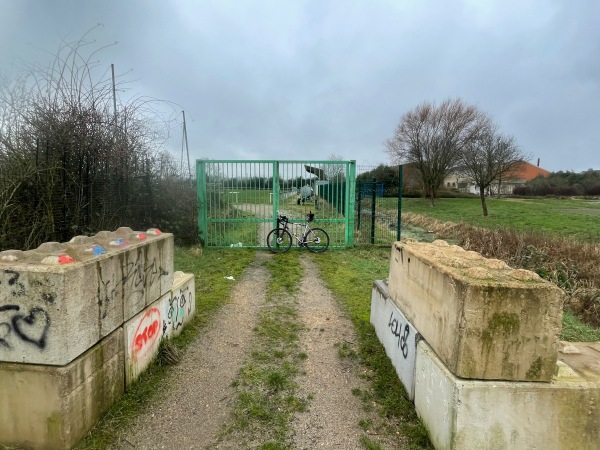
(279, 240)
(317, 240)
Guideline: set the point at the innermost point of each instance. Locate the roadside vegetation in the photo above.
(557, 239)
(575, 219)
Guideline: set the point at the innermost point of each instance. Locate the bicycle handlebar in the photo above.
(281, 218)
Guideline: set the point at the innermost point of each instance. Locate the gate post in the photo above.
(399, 221)
(275, 192)
(373, 208)
(201, 200)
(350, 198)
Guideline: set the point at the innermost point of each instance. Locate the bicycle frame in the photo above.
(279, 240)
(307, 230)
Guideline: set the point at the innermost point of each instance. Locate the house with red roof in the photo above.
(518, 177)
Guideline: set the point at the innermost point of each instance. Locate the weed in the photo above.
(168, 354)
(369, 444)
(266, 384)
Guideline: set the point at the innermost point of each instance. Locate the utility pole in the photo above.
(186, 145)
(112, 68)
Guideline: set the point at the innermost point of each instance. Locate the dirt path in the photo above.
(334, 413)
(200, 395)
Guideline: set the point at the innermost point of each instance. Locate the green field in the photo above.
(575, 218)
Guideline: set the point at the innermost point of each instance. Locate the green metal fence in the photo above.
(238, 201)
(378, 205)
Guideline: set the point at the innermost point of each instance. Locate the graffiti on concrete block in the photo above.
(401, 333)
(17, 323)
(30, 327)
(177, 310)
(10, 279)
(146, 334)
(135, 280)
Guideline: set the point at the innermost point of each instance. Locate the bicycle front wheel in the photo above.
(317, 240)
(279, 240)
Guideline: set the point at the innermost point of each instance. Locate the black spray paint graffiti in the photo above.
(17, 289)
(176, 310)
(402, 335)
(135, 280)
(31, 328)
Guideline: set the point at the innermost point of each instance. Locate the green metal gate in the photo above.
(238, 201)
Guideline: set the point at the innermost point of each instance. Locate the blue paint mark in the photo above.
(98, 250)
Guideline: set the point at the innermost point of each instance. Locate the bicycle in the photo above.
(279, 240)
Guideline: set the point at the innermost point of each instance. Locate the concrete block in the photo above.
(45, 407)
(48, 313)
(482, 318)
(58, 300)
(473, 414)
(397, 335)
(179, 307)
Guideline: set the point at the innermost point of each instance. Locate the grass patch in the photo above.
(350, 276)
(575, 331)
(576, 219)
(212, 291)
(266, 384)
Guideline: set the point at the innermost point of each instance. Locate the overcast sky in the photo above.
(299, 79)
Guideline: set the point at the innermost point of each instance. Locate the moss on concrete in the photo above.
(508, 323)
(535, 369)
(505, 323)
(54, 425)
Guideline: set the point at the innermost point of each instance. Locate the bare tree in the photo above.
(335, 172)
(432, 137)
(491, 157)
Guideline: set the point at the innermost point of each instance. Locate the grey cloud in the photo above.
(267, 79)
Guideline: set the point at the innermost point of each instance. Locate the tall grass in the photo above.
(571, 265)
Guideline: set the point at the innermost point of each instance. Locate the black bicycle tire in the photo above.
(281, 248)
(320, 248)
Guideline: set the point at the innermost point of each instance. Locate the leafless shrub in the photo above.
(70, 163)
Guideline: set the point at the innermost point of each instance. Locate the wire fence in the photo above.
(378, 202)
(53, 193)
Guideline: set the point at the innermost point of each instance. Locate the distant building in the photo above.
(505, 186)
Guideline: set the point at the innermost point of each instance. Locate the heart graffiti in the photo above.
(33, 327)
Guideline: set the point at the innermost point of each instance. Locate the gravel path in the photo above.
(198, 399)
(333, 415)
(199, 395)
